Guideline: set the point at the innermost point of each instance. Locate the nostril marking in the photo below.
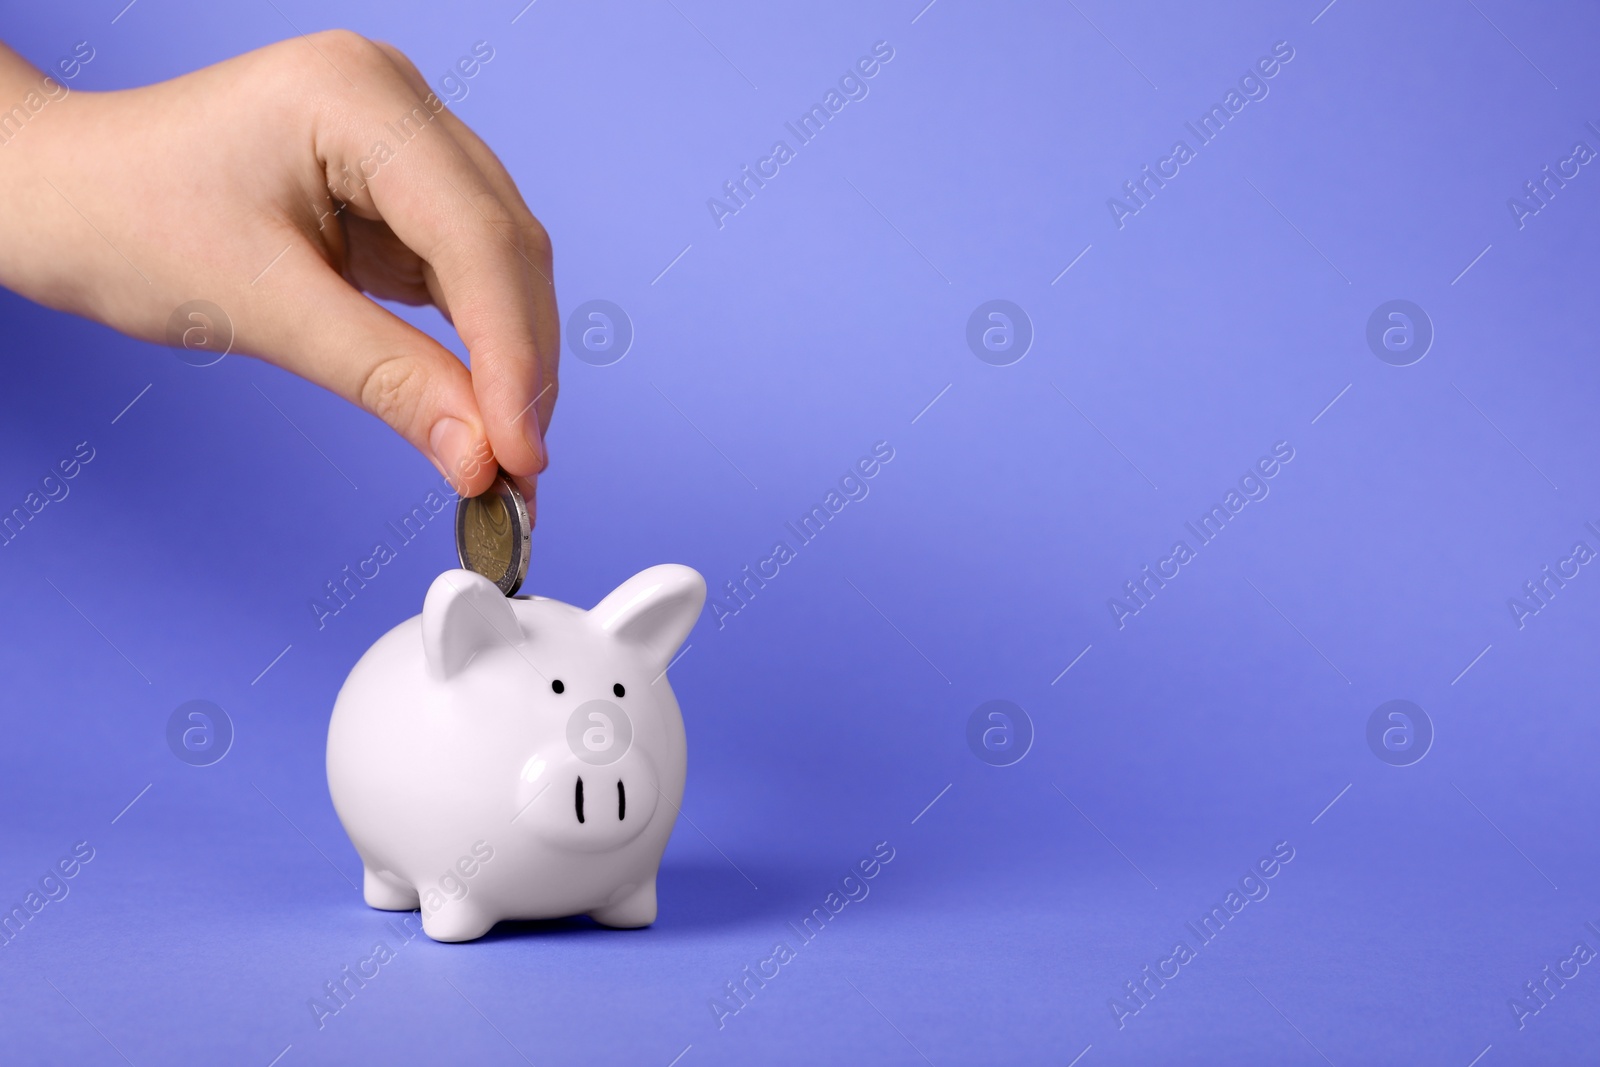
(580, 800)
(622, 801)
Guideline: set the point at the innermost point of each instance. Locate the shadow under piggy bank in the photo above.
(695, 895)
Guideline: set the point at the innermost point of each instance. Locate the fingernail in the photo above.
(530, 496)
(529, 488)
(451, 441)
(530, 430)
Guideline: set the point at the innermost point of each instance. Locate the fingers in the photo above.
(376, 262)
(459, 230)
(536, 248)
(536, 242)
(344, 342)
(436, 201)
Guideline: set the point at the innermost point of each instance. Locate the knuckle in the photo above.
(503, 229)
(495, 215)
(408, 70)
(536, 239)
(395, 55)
(348, 48)
(390, 390)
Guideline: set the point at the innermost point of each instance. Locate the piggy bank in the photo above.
(516, 758)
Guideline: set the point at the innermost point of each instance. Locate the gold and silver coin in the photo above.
(493, 534)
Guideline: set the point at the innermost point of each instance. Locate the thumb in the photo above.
(328, 333)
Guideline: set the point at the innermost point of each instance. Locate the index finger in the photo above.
(435, 200)
(536, 242)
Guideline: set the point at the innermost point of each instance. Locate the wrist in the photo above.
(17, 76)
(36, 113)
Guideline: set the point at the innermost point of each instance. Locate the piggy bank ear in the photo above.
(654, 610)
(464, 614)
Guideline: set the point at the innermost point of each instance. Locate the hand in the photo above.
(280, 186)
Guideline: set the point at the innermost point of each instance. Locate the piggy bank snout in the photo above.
(595, 809)
(601, 791)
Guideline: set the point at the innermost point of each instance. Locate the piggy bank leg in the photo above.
(633, 908)
(457, 920)
(386, 892)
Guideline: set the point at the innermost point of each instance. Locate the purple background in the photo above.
(1225, 717)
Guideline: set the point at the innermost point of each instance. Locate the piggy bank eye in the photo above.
(557, 687)
(617, 689)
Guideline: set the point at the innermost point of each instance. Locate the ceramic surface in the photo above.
(516, 758)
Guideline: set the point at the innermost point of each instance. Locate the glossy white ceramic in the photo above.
(516, 758)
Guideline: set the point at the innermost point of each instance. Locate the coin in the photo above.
(492, 534)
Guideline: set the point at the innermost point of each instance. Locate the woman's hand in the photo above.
(282, 185)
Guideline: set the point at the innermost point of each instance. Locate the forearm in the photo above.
(31, 102)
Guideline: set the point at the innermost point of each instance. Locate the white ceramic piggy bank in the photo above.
(519, 758)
